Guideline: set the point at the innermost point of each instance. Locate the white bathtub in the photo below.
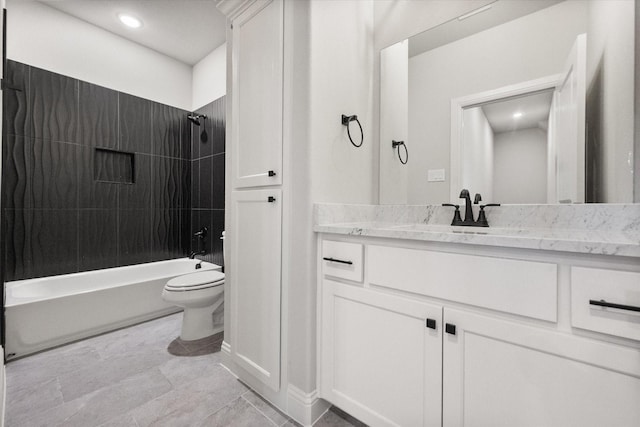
(50, 311)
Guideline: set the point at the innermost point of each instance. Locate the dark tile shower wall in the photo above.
(207, 178)
(57, 217)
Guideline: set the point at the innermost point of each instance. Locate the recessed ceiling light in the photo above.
(517, 115)
(130, 21)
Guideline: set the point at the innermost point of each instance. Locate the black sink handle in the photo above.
(488, 205)
(457, 220)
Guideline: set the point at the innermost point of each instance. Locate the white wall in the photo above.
(41, 36)
(341, 82)
(209, 78)
(610, 100)
(520, 167)
(394, 121)
(477, 154)
(328, 72)
(533, 46)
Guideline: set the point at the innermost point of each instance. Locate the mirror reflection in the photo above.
(436, 87)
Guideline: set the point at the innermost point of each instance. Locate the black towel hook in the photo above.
(396, 145)
(345, 122)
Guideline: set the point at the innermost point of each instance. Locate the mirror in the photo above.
(438, 86)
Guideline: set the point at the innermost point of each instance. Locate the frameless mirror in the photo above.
(521, 101)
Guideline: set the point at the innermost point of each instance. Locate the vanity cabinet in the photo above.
(415, 343)
(505, 373)
(381, 356)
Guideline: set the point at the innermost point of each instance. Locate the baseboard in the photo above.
(226, 348)
(303, 407)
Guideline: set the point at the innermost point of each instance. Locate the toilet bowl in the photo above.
(200, 294)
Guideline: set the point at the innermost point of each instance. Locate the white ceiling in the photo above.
(187, 30)
(534, 108)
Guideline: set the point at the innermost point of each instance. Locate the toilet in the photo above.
(200, 294)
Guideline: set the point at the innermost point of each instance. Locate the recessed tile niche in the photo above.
(113, 166)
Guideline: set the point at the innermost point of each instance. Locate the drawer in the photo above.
(593, 286)
(342, 260)
(526, 288)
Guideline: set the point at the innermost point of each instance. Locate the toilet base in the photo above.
(197, 323)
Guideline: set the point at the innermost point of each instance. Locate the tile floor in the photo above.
(136, 377)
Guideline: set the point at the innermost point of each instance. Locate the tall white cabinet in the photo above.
(255, 207)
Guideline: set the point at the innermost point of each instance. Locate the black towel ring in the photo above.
(396, 145)
(345, 122)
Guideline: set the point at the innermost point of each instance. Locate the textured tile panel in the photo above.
(98, 244)
(166, 130)
(217, 201)
(53, 106)
(55, 174)
(53, 237)
(98, 113)
(135, 123)
(166, 234)
(15, 103)
(168, 177)
(134, 236)
(206, 182)
(16, 170)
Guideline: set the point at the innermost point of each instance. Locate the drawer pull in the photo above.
(603, 303)
(337, 260)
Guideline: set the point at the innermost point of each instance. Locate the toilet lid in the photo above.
(194, 281)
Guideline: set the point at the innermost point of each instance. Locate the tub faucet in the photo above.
(201, 235)
(193, 254)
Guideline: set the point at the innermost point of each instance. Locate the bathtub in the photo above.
(50, 311)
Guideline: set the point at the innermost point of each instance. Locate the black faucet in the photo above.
(200, 235)
(468, 212)
(469, 221)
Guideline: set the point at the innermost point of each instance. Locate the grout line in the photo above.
(256, 408)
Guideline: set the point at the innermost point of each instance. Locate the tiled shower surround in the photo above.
(94, 178)
(207, 193)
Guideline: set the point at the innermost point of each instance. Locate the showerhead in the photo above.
(195, 118)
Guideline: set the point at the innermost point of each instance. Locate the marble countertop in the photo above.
(620, 240)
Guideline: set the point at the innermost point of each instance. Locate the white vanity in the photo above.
(422, 324)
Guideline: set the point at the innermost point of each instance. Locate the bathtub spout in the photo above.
(192, 255)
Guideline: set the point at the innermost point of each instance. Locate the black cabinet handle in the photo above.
(431, 323)
(271, 173)
(603, 303)
(271, 199)
(337, 260)
(450, 329)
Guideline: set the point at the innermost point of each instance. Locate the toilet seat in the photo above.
(195, 281)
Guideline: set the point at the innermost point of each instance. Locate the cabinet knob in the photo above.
(271, 199)
(450, 329)
(431, 323)
(271, 173)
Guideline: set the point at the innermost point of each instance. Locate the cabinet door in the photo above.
(257, 95)
(499, 373)
(255, 283)
(379, 361)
